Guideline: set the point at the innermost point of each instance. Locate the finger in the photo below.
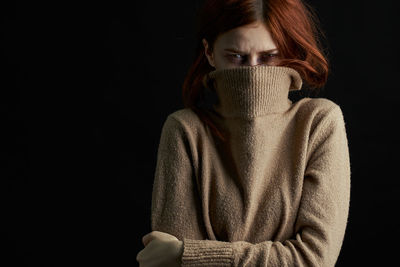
(139, 256)
(163, 236)
(147, 238)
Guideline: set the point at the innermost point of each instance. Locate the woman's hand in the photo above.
(161, 249)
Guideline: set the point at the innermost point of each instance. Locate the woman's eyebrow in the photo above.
(233, 50)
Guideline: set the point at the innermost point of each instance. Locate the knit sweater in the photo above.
(276, 193)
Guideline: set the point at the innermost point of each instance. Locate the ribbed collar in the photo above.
(253, 91)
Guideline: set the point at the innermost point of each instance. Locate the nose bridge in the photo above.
(252, 60)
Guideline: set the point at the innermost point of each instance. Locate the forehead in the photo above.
(254, 37)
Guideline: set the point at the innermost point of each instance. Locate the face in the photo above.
(247, 45)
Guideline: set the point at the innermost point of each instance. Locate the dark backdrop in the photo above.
(85, 89)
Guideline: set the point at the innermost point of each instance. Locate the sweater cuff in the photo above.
(206, 253)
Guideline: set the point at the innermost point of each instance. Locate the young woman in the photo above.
(249, 178)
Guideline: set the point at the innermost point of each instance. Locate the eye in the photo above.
(272, 55)
(236, 56)
(268, 57)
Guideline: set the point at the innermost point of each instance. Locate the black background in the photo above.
(85, 90)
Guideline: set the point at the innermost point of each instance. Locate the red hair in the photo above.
(293, 26)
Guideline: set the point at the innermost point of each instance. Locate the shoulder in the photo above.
(315, 106)
(184, 120)
(323, 118)
(184, 116)
(320, 115)
(318, 109)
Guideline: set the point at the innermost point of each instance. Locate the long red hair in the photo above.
(293, 26)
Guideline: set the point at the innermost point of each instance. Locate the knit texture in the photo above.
(250, 92)
(276, 193)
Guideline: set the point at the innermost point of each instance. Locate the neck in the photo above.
(253, 91)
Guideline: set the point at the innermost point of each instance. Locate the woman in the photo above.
(251, 179)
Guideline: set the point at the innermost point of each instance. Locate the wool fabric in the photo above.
(276, 192)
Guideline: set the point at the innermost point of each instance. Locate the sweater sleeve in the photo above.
(174, 185)
(322, 215)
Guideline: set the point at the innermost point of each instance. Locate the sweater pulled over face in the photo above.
(275, 193)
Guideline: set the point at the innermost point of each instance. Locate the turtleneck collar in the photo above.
(252, 91)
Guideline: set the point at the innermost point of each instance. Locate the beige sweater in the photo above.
(276, 194)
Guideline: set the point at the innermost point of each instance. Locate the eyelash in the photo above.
(234, 56)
